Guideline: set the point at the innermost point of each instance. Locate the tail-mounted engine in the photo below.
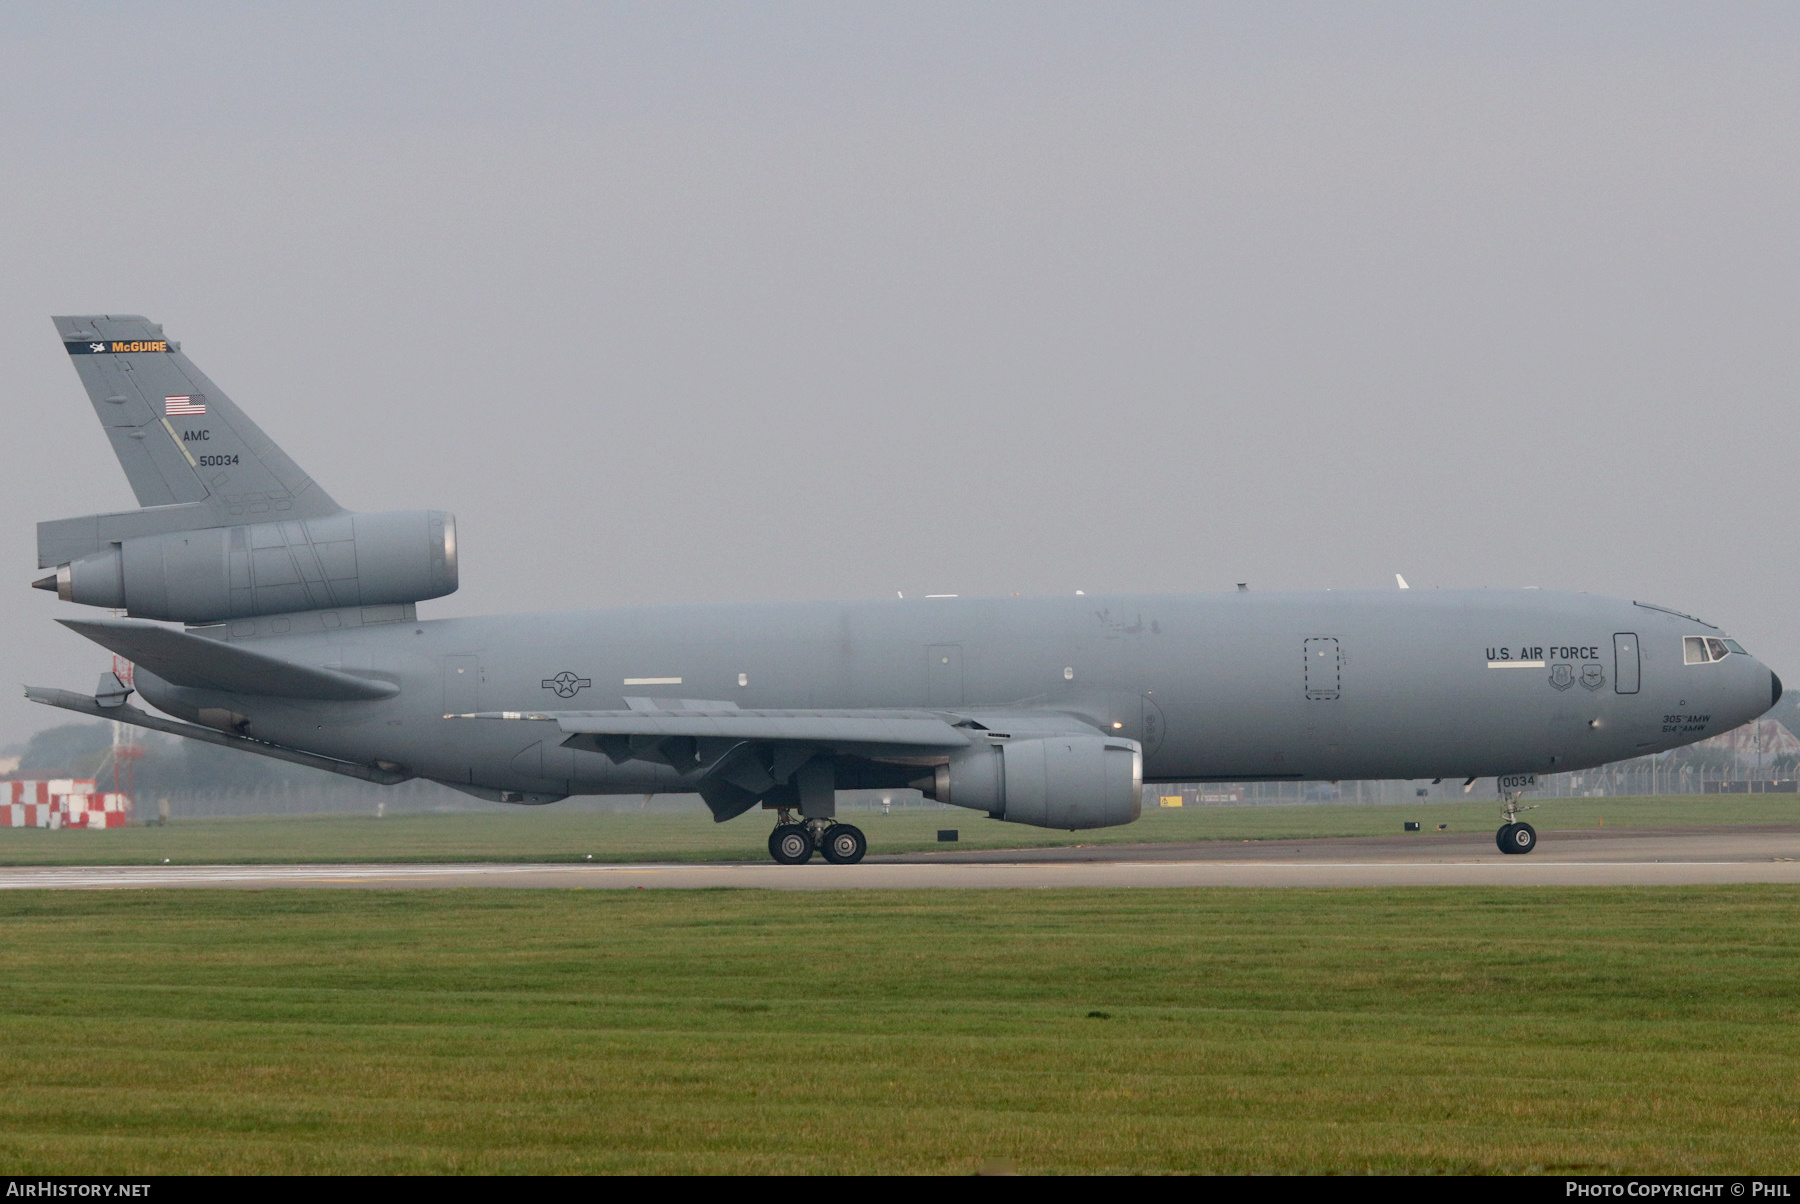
(216, 573)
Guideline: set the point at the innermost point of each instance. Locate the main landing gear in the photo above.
(793, 843)
(1515, 836)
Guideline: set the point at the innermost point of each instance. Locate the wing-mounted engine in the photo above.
(1058, 781)
(233, 572)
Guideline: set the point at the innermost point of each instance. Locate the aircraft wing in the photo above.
(639, 734)
(191, 660)
(736, 759)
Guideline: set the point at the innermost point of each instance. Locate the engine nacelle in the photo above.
(1049, 782)
(271, 568)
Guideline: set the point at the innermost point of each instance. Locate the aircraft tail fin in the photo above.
(178, 437)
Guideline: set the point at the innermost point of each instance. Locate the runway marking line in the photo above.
(151, 876)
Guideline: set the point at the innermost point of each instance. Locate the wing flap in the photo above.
(194, 661)
(923, 732)
(695, 739)
(614, 731)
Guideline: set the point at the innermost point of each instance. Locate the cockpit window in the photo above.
(1700, 650)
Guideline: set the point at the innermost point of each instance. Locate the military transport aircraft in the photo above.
(263, 616)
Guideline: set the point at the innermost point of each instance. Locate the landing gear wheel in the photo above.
(843, 844)
(791, 844)
(1516, 838)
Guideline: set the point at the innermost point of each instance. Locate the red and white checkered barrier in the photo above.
(61, 803)
(96, 810)
(30, 815)
(44, 791)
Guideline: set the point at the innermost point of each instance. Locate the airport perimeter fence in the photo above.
(287, 798)
(1634, 779)
(1637, 778)
(1645, 776)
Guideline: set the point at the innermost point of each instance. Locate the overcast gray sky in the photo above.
(706, 302)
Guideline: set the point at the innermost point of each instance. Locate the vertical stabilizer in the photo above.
(178, 437)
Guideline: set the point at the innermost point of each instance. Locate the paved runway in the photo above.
(1654, 857)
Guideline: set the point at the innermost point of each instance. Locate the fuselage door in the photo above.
(1625, 662)
(943, 675)
(1152, 731)
(462, 684)
(1324, 669)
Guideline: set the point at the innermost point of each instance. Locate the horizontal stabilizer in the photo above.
(81, 704)
(200, 663)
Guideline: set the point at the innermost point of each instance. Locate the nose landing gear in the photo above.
(1516, 838)
(794, 843)
(1514, 835)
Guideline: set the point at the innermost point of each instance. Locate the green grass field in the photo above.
(1647, 1030)
(664, 834)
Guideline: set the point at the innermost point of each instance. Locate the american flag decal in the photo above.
(184, 404)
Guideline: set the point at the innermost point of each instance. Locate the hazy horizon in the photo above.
(734, 302)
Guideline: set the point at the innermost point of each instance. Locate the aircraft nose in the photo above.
(1774, 689)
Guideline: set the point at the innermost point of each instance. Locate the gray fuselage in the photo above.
(1225, 687)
